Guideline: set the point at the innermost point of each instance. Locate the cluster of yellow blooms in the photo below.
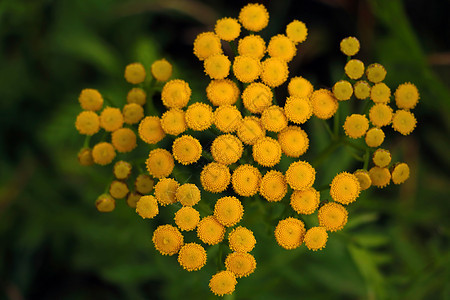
(254, 133)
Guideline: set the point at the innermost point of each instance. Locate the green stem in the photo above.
(354, 145)
(325, 153)
(366, 159)
(323, 187)
(109, 101)
(327, 127)
(151, 91)
(87, 139)
(336, 124)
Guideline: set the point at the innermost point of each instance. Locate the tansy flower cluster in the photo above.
(228, 146)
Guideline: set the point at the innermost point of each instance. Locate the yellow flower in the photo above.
(165, 191)
(350, 46)
(380, 114)
(254, 17)
(406, 96)
(226, 149)
(274, 71)
(241, 239)
(380, 176)
(124, 140)
(85, 157)
(354, 69)
(273, 186)
(344, 188)
(246, 68)
(400, 173)
(132, 199)
(227, 118)
(210, 231)
(160, 163)
(176, 93)
(111, 119)
(207, 44)
(137, 95)
(187, 218)
(105, 203)
(161, 70)
(135, 73)
(118, 189)
(361, 89)
(222, 92)
(228, 211)
(246, 180)
(380, 93)
(274, 119)
(173, 121)
(241, 264)
(293, 141)
(103, 153)
(297, 31)
(374, 137)
(267, 152)
(364, 179)
(90, 99)
(289, 233)
(300, 175)
(257, 97)
(87, 123)
(132, 113)
(356, 125)
(343, 90)
(199, 116)
(150, 130)
(188, 194)
(300, 87)
(298, 110)
(122, 169)
(305, 201)
(282, 47)
(167, 239)
(192, 257)
(250, 130)
(186, 150)
(404, 121)
(375, 73)
(253, 46)
(144, 184)
(217, 66)
(316, 238)
(147, 207)
(381, 158)
(215, 177)
(333, 216)
(228, 29)
(223, 283)
(324, 104)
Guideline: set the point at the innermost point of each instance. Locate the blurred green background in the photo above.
(55, 245)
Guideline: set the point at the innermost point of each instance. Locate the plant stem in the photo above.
(366, 159)
(326, 152)
(327, 127)
(336, 124)
(87, 139)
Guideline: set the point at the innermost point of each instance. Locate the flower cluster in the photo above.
(251, 133)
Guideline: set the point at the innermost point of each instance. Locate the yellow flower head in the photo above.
(316, 238)
(132, 113)
(380, 114)
(111, 119)
(246, 180)
(300, 175)
(199, 116)
(85, 157)
(217, 66)
(345, 188)
(144, 184)
(226, 149)
(135, 73)
(293, 141)
(350, 46)
(165, 191)
(300, 87)
(124, 140)
(118, 189)
(343, 90)
(87, 123)
(210, 231)
(176, 94)
(354, 69)
(267, 152)
(400, 173)
(228, 211)
(246, 68)
(187, 218)
(227, 118)
(241, 264)
(380, 177)
(137, 95)
(254, 17)
(406, 96)
(273, 186)
(381, 158)
(324, 104)
(297, 31)
(207, 44)
(161, 70)
(167, 239)
(289, 233)
(305, 201)
(364, 179)
(274, 119)
(103, 153)
(188, 194)
(361, 89)
(223, 283)
(173, 121)
(298, 110)
(274, 71)
(404, 121)
(160, 163)
(241, 239)
(186, 150)
(105, 203)
(215, 177)
(147, 207)
(192, 257)
(257, 97)
(122, 169)
(222, 92)
(132, 199)
(150, 130)
(374, 137)
(333, 216)
(282, 47)
(228, 29)
(253, 46)
(375, 73)
(380, 93)
(356, 125)
(90, 99)
(250, 130)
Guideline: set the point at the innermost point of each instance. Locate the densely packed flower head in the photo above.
(252, 132)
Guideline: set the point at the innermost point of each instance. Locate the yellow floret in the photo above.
(282, 47)
(103, 153)
(293, 141)
(345, 188)
(173, 121)
(356, 125)
(186, 150)
(324, 104)
(404, 121)
(137, 95)
(316, 238)
(222, 92)
(161, 70)
(300, 175)
(343, 90)
(298, 110)
(274, 71)
(207, 44)
(406, 96)
(297, 31)
(144, 184)
(223, 283)
(250, 130)
(90, 99)
(160, 163)
(124, 140)
(228, 211)
(364, 179)
(289, 233)
(122, 169)
(375, 73)
(400, 173)
(147, 207)
(241, 239)
(381, 158)
(226, 149)
(257, 97)
(354, 69)
(132, 199)
(165, 191)
(150, 130)
(305, 201)
(199, 116)
(380, 114)
(188, 194)
(192, 257)
(254, 17)
(246, 68)
(132, 113)
(135, 73)
(267, 152)
(118, 189)
(361, 89)
(274, 119)
(350, 46)
(380, 93)
(210, 231)
(228, 29)
(111, 119)
(380, 177)
(300, 87)
(187, 218)
(85, 157)
(273, 186)
(374, 137)
(227, 118)
(87, 123)
(333, 216)
(217, 66)
(176, 93)
(241, 264)
(167, 239)
(105, 203)
(215, 177)
(252, 45)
